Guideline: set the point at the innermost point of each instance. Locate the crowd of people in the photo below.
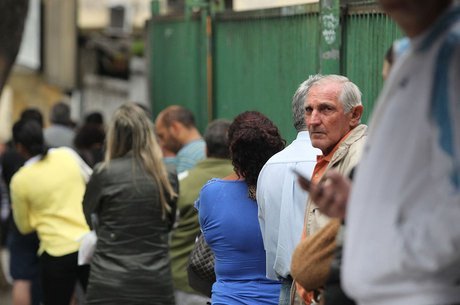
(345, 214)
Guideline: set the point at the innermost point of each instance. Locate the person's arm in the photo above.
(197, 206)
(431, 244)
(312, 258)
(260, 192)
(172, 202)
(92, 197)
(430, 238)
(85, 169)
(202, 205)
(20, 206)
(331, 195)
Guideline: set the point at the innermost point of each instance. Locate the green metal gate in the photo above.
(261, 59)
(368, 33)
(220, 64)
(176, 65)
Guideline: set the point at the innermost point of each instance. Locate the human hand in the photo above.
(331, 195)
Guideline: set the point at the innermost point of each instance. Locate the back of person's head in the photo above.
(179, 114)
(145, 108)
(94, 118)
(89, 135)
(60, 114)
(350, 95)
(32, 114)
(253, 139)
(216, 139)
(29, 134)
(130, 130)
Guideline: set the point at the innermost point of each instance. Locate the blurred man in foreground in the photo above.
(402, 238)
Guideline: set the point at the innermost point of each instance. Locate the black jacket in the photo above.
(131, 263)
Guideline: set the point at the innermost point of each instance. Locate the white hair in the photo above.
(350, 95)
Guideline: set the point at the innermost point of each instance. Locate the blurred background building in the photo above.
(91, 54)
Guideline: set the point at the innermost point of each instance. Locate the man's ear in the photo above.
(356, 113)
(174, 125)
(175, 128)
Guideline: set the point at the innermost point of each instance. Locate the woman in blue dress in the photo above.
(228, 215)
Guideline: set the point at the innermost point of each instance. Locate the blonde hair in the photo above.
(130, 130)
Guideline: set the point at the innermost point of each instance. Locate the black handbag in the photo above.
(200, 267)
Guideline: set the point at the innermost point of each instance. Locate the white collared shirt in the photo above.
(282, 203)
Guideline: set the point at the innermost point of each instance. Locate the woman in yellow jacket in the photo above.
(47, 195)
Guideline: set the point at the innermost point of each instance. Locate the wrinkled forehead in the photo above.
(324, 90)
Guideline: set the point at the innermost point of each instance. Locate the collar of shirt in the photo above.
(303, 135)
(323, 161)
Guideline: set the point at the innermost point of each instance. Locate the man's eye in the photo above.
(327, 109)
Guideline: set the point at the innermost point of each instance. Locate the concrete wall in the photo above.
(95, 14)
(60, 43)
(105, 94)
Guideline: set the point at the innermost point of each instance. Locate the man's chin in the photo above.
(317, 143)
(317, 137)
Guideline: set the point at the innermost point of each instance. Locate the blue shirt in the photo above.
(282, 203)
(190, 154)
(228, 219)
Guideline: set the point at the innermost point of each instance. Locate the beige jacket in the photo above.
(344, 159)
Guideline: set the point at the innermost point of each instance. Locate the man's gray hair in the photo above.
(60, 114)
(216, 139)
(350, 96)
(298, 102)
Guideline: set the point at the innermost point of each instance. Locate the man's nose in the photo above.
(314, 118)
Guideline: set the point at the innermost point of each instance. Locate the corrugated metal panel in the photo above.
(176, 65)
(259, 62)
(367, 36)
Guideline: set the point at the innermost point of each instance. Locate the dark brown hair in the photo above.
(253, 139)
